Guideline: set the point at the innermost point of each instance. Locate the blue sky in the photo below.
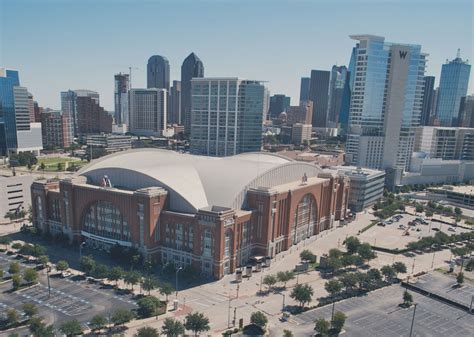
(62, 44)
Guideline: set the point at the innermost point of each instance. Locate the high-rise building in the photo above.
(385, 104)
(17, 133)
(122, 85)
(304, 88)
(192, 67)
(56, 129)
(31, 107)
(339, 96)
(452, 86)
(227, 116)
(38, 111)
(302, 113)
(148, 111)
(158, 72)
(319, 94)
(91, 117)
(466, 112)
(174, 113)
(266, 103)
(68, 104)
(428, 101)
(278, 104)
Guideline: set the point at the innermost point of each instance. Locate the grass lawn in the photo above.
(51, 163)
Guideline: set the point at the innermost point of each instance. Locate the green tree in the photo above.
(419, 208)
(302, 293)
(285, 276)
(365, 252)
(196, 322)
(407, 298)
(148, 284)
(259, 319)
(132, 278)
(30, 275)
(399, 267)
(388, 272)
(59, 167)
(349, 281)
(457, 210)
(13, 334)
(99, 271)
(374, 276)
(166, 289)
(147, 331)
(334, 264)
(115, 274)
(39, 329)
(338, 321)
(460, 278)
(287, 333)
(12, 316)
(307, 255)
(87, 264)
(14, 268)
(16, 281)
(71, 328)
(122, 316)
(321, 327)
(29, 309)
(335, 253)
(43, 259)
(172, 328)
(269, 281)
(62, 265)
(42, 167)
(148, 306)
(333, 287)
(98, 322)
(352, 244)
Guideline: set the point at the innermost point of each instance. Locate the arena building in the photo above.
(209, 212)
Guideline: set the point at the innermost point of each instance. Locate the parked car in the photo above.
(451, 229)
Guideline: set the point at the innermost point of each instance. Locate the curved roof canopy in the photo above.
(195, 182)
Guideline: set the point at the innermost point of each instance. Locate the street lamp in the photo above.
(177, 271)
(283, 304)
(413, 320)
(80, 249)
(48, 269)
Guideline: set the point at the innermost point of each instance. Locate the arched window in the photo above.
(39, 208)
(104, 219)
(304, 218)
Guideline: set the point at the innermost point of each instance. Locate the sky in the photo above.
(80, 44)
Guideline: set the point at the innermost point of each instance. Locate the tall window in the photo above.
(104, 219)
(228, 243)
(304, 218)
(207, 243)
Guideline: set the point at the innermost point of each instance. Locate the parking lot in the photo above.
(378, 314)
(397, 234)
(69, 298)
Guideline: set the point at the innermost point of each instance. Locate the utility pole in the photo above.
(228, 312)
(413, 320)
(49, 286)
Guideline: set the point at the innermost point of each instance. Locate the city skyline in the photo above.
(70, 65)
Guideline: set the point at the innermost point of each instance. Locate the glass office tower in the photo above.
(452, 86)
(8, 80)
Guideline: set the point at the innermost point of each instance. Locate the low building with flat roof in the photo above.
(461, 195)
(14, 194)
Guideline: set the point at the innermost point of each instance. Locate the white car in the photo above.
(451, 229)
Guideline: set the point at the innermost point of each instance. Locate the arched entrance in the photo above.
(305, 218)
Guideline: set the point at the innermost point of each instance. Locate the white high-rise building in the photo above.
(386, 103)
(148, 111)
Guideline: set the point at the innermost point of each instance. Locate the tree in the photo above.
(374, 276)
(365, 252)
(334, 264)
(333, 287)
(307, 255)
(349, 281)
(269, 281)
(399, 267)
(196, 322)
(98, 322)
(29, 309)
(12, 316)
(100, 271)
(285, 276)
(71, 328)
(43, 259)
(457, 210)
(407, 298)
(172, 328)
(166, 289)
(352, 244)
(148, 306)
(59, 167)
(39, 329)
(335, 253)
(16, 281)
(338, 321)
(259, 319)
(302, 293)
(132, 278)
(122, 316)
(388, 272)
(30, 275)
(419, 208)
(87, 264)
(42, 167)
(115, 274)
(62, 265)
(147, 331)
(460, 278)
(321, 326)
(148, 284)
(14, 268)
(287, 333)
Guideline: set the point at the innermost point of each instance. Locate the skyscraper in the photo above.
(304, 88)
(385, 104)
(339, 95)
(278, 104)
(56, 130)
(319, 94)
(192, 67)
(148, 113)
(452, 86)
(68, 104)
(428, 100)
(91, 117)
(227, 116)
(466, 112)
(158, 72)
(174, 113)
(122, 85)
(17, 132)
